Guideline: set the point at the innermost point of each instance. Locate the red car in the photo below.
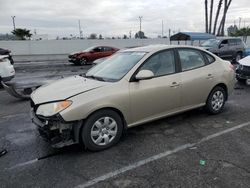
(90, 54)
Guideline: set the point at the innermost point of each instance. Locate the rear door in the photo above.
(197, 77)
(160, 95)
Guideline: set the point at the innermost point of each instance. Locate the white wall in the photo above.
(50, 47)
(46, 49)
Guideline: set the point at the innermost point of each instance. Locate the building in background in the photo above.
(232, 30)
(39, 37)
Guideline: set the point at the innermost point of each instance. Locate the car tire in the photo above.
(241, 80)
(216, 100)
(102, 130)
(238, 57)
(83, 61)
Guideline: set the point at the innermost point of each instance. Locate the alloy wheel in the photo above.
(217, 100)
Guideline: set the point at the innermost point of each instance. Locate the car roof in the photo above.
(158, 47)
(226, 38)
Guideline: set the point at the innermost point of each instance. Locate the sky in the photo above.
(112, 17)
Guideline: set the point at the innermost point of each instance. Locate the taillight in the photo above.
(232, 67)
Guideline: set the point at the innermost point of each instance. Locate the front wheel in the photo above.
(216, 100)
(83, 61)
(102, 130)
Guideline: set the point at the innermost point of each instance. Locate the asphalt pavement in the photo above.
(192, 149)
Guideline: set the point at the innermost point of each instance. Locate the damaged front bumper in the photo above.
(56, 131)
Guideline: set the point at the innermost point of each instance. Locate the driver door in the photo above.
(156, 97)
(224, 51)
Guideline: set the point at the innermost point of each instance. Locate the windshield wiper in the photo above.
(94, 77)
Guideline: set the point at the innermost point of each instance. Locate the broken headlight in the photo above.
(51, 109)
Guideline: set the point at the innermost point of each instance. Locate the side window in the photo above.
(190, 59)
(160, 64)
(224, 42)
(238, 41)
(107, 49)
(232, 42)
(98, 49)
(210, 58)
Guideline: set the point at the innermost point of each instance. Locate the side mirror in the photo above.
(144, 75)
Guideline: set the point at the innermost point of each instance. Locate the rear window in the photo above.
(190, 59)
(210, 58)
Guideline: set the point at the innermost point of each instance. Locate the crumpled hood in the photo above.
(245, 61)
(64, 88)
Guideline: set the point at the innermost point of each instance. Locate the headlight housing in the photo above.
(51, 109)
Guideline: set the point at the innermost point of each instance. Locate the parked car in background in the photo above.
(243, 70)
(7, 71)
(91, 54)
(8, 53)
(132, 87)
(98, 61)
(247, 51)
(232, 49)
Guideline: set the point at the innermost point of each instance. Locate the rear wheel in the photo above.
(102, 130)
(216, 100)
(238, 57)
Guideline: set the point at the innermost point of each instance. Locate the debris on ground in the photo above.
(3, 152)
(202, 162)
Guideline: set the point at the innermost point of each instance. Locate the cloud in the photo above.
(111, 17)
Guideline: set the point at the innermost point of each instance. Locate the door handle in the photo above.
(174, 84)
(209, 76)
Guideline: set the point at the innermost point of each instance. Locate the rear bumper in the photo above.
(56, 131)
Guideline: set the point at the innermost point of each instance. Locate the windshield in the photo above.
(89, 49)
(115, 67)
(211, 43)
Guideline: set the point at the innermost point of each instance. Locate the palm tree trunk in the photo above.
(206, 17)
(211, 16)
(223, 20)
(217, 16)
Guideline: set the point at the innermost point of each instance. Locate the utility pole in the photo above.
(162, 31)
(239, 22)
(140, 17)
(80, 30)
(13, 20)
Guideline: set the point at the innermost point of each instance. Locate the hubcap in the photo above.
(103, 131)
(83, 61)
(217, 100)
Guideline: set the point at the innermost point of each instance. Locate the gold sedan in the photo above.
(132, 87)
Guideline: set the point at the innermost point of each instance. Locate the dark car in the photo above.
(232, 49)
(91, 54)
(8, 53)
(247, 52)
(243, 70)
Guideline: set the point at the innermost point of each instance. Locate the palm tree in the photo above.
(223, 20)
(211, 16)
(206, 16)
(21, 33)
(217, 16)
